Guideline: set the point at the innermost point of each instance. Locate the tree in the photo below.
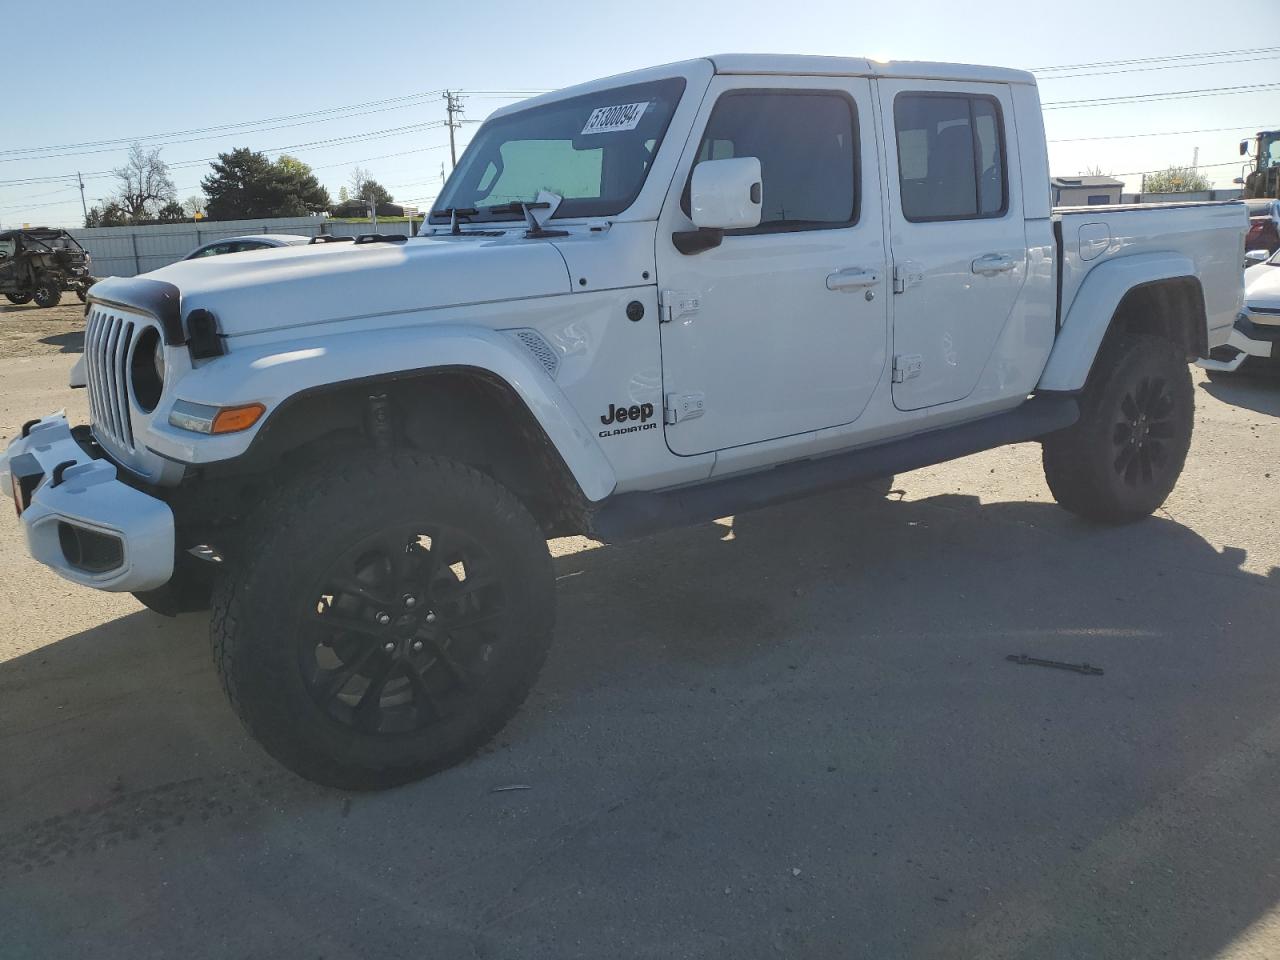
(300, 193)
(343, 195)
(193, 204)
(364, 187)
(1175, 180)
(171, 212)
(110, 214)
(246, 184)
(144, 183)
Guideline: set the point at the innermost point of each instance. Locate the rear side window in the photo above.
(807, 145)
(951, 157)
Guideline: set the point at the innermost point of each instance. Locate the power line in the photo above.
(213, 136)
(313, 144)
(227, 126)
(1153, 97)
(1167, 66)
(1175, 56)
(1161, 133)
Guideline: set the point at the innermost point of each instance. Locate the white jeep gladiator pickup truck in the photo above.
(651, 300)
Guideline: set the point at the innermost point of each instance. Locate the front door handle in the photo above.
(853, 278)
(988, 265)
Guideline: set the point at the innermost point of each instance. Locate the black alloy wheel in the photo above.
(399, 627)
(1143, 431)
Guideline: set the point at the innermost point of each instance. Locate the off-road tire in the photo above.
(265, 605)
(1121, 459)
(18, 298)
(47, 292)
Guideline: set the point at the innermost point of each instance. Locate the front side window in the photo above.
(594, 151)
(951, 162)
(807, 145)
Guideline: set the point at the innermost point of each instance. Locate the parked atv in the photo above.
(39, 264)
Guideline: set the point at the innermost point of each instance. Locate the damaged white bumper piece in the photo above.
(80, 518)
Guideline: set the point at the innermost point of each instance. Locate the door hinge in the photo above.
(906, 274)
(906, 366)
(676, 304)
(678, 407)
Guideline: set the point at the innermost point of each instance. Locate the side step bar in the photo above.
(629, 515)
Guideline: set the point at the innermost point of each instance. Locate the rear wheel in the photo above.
(1121, 459)
(47, 293)
(389, 622)
(18, 298)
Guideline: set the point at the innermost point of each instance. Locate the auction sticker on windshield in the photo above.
(624, 116)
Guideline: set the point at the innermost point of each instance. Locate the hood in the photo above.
(282, 287)
(1262, 286)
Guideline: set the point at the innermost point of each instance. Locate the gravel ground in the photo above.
(793, 734)
(30, 331)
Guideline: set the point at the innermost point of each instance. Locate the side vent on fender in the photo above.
(542, 351)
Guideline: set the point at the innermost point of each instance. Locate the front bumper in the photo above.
(81, 519)
(1247, 339)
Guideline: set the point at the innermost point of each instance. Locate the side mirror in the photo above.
(723, 195)
(726, 194)
(1244, 148)
(1254, 257)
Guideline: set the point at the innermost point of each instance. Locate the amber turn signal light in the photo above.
(233, 419)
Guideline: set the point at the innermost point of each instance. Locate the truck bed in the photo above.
(1209, 234)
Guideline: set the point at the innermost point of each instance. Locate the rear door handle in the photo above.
(853, 278)
(990, 264)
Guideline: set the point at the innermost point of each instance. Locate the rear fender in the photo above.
(1089, 317)
(273, 373)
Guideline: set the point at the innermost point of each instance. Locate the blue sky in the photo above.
(97, 71)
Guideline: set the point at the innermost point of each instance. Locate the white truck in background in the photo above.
(650, 300)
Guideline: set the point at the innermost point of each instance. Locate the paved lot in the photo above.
(791, 735)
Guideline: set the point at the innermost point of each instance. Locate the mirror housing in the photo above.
(1244, 148)
(726, 194)
(1254, 257)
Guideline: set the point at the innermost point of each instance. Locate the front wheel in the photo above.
(389, 622)
(1121, 459)
(18, 298)
(47, 292)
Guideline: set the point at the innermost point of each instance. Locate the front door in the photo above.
(956, 232)
(783, 328)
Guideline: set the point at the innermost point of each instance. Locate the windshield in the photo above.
(594, 151)
(1269, 144)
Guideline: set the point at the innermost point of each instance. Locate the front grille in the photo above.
(107, 340)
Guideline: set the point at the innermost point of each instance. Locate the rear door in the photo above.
(957, 235)
(783, 328)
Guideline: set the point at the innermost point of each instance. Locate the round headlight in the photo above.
(146, 371)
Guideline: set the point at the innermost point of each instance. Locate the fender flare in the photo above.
(1087, 320)
(274, 373)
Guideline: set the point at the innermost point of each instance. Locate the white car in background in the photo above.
(261, 241)
(1256, 333)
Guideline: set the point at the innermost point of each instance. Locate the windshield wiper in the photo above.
(453, 213)
(526, 207)
(515, 206)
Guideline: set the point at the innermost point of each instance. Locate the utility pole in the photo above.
(1195, 161)
(453, 115)
(83, 208)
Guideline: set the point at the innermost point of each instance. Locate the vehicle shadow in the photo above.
(67, 342)
(1257, 392)
(821, 683)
